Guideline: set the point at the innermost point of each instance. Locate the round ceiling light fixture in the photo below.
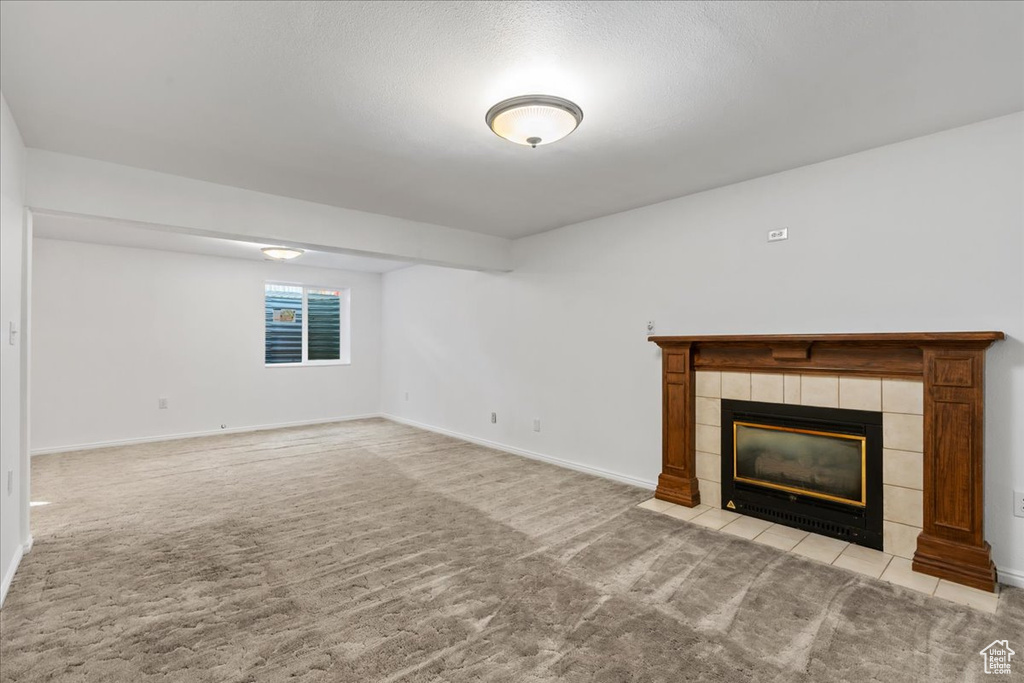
(282, 253)
(534, 119)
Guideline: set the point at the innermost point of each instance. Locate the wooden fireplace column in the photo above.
(677, 482)
(952, 545)
(952, 366)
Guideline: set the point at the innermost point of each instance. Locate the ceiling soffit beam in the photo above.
(64, 184)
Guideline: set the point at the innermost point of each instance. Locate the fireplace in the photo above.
(818, 469)
(937, 515)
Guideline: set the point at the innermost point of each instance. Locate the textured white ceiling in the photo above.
(379, 106)
(101, 231)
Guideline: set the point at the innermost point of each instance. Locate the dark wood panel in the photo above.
(818, 358)
(677, 407)
(784, 352)
(952, 372)
(953, 475)
(675, 362)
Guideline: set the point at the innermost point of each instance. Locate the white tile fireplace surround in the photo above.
(900, 401)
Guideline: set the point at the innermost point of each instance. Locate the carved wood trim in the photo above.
(791, 352)
(952, 366)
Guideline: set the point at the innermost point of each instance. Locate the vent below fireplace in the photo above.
(817, 469)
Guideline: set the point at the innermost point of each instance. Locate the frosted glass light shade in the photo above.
(534, 119)
(282, 253)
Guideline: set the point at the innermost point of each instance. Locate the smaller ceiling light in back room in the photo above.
(534, 119)
(282, 253)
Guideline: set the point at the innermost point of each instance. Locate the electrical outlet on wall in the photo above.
(494, 418)
(1018, 503)
(161, 403)
(536, 424)
(650, 328)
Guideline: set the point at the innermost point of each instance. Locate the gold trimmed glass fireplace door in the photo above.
(824, 465)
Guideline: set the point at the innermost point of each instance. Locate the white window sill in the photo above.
(308, 364)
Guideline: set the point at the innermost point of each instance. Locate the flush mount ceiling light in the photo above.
(282, 253)
(534, 119)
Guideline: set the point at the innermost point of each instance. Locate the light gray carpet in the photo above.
(370, 551)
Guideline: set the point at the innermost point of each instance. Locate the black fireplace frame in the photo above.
(856, 524)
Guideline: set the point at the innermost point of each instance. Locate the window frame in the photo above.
(344, 326)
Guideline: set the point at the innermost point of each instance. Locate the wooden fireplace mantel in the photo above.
(950, 364)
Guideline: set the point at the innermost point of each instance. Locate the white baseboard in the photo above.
(27, 545)
(568, 464)
(1011, 577)
(191, 435)
(9, 573)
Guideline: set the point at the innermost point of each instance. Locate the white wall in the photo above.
(13, 506)
(922, 235)
(115, 328)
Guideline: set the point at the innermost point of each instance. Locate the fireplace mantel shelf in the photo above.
(951, 366)
(887, 338)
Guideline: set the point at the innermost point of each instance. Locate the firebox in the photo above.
(817, 469)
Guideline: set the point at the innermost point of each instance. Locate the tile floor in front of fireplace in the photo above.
(873, 563)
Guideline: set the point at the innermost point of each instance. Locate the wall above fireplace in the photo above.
(951, 542)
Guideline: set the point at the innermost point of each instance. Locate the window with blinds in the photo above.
(305, 325)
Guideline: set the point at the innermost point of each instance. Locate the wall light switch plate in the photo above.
(1018, 503)
(161, 403)
(778, 235)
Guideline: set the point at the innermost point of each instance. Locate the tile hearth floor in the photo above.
(855, 558)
